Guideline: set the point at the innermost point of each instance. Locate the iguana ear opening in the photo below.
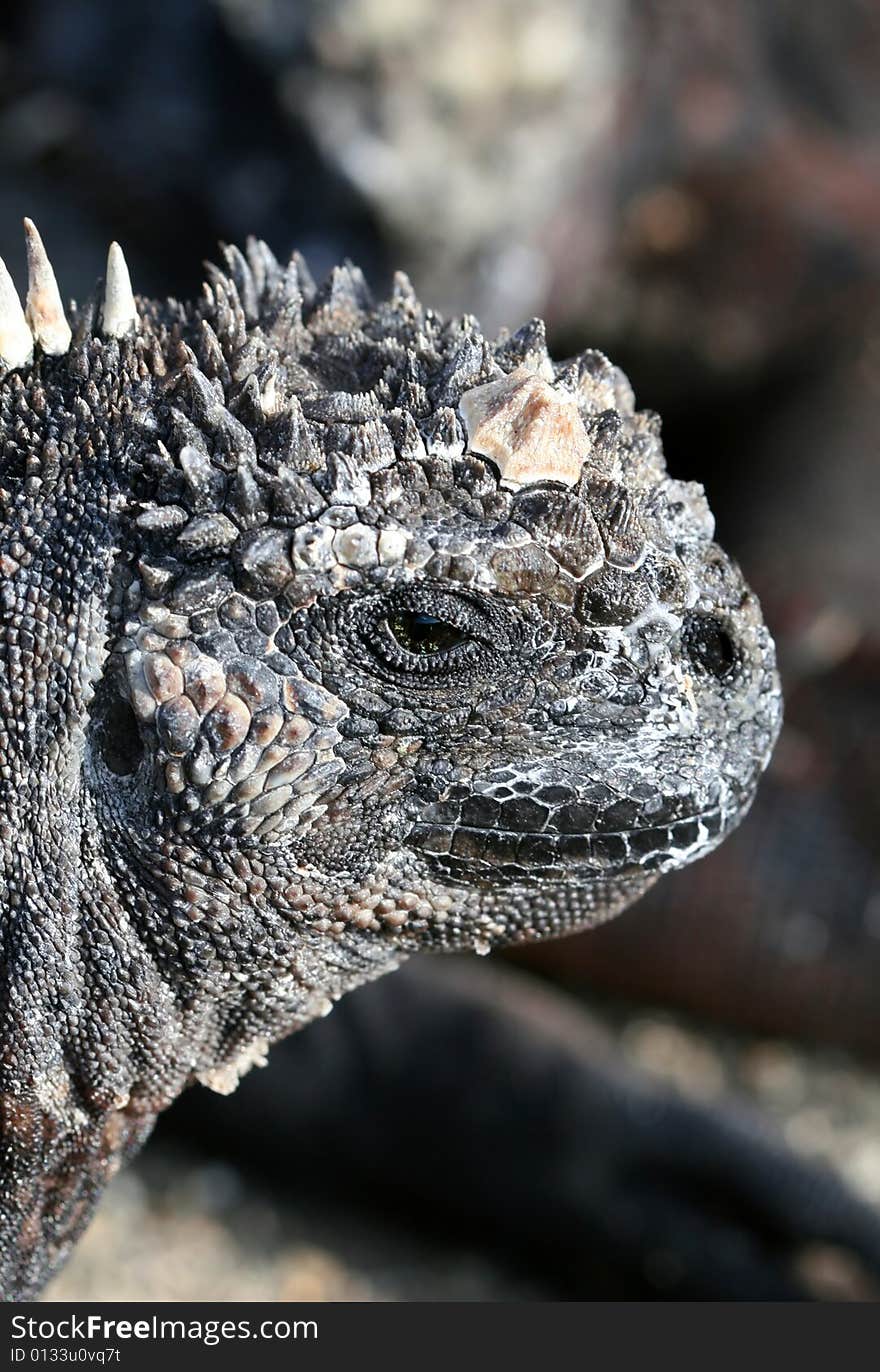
(117, 731)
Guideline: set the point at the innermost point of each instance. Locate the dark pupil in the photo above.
(710, 646)
(420, 633)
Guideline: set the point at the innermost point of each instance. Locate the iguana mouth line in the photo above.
(597, 848)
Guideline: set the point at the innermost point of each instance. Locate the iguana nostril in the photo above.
(709, 645)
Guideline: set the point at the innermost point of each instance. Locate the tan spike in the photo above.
(16, 341)
(119, 315)
(530, 429)
(44, 311)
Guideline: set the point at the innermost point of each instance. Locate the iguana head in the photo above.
(333, 630)
(413, 623)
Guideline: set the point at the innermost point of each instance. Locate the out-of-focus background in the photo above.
(693, 186)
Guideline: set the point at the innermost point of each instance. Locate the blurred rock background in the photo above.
(693, 185)
(183, 1225)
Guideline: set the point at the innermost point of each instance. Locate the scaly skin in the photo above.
(293, 683)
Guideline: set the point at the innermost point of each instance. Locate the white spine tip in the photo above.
(44, 311)
(16, 342)
(119, 315)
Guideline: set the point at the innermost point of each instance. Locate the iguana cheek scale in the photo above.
(331, 631)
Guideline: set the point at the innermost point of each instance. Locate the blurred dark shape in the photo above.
(698, 182)
(464, 126)
(747, 190)
(152, 124)
(483, 1110)
(695, 183)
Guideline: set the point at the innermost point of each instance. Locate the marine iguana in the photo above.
(332, 631)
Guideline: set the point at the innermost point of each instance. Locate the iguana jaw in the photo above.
(471, 853)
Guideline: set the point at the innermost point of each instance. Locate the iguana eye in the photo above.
(709, 645)
(424, 634)
(427, 633)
